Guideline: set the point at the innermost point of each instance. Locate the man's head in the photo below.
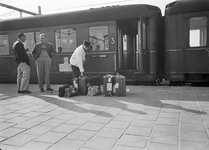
(22, 37)
(42, 37)
(86, 44)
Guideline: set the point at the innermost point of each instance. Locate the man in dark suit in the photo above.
(23, 65)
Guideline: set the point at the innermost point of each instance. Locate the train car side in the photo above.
(120, 43)
(186, 41)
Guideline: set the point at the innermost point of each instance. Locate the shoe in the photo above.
(49, 89)
(18, 91)
(25, 92)
(41, 90)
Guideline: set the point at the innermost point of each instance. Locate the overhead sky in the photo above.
(56, 6)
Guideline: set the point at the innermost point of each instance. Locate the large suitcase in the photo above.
(82, 85)
(120, 85)
(108, 85)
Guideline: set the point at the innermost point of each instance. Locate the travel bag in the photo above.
(120, 85)
(94, 90)
(71, 91)
(61, 91)
(108, 85)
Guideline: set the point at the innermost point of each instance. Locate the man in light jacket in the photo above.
(42, 54)
(77, 59)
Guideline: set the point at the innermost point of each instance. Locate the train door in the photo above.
(126, 45)
(142, 53)
(132, 46)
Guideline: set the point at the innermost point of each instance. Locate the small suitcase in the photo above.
(108, 85)
(120, 85)
(82, 85)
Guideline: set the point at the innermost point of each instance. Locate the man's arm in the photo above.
(21, 53)
(79, 59)
(34, 53)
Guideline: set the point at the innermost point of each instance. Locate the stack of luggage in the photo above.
(90, 86)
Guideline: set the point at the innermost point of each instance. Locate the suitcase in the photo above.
(71, 91)
(108, 85)
(120, 85)
(94, 80)
(82, 85)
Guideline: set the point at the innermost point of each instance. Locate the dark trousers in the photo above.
(76, 71)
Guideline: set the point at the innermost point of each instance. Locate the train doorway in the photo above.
(132, 46)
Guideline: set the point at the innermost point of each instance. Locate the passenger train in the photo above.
(136, 41)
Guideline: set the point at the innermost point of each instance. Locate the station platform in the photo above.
(147, 118)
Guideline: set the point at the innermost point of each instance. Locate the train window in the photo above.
(65, 40)
(198, 31)
(4, 45)
(31, 40)
(98, 36)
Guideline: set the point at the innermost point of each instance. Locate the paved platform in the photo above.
(148, 118)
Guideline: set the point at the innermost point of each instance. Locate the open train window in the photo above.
(4, 45)
(98, 36)
(198, 31)
(65, 40)
(31, 40)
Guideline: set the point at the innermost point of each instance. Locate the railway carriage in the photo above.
(187, 41)
(124, 39)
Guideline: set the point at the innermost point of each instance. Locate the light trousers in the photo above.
(43, 65)
(23, 76)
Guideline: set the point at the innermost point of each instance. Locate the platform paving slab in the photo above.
(147, 118)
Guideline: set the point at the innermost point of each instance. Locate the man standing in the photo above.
(42, 54)
(23, 65)
(77, 59)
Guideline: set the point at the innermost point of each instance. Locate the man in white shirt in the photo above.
(77, 59)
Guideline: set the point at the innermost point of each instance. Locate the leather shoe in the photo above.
(18, 91)
(25, 92)
(41, 90)
(49, 89)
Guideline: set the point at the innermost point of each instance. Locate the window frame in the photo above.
(8, 44)
(100, 25)
(36, 35)
(190, 29)
(65, 28)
